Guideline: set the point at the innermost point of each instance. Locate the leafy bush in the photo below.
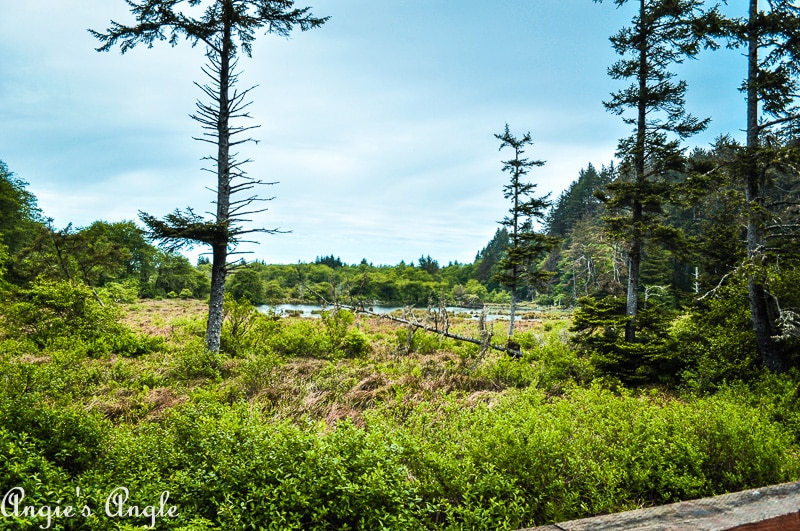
(67, 437)
(299, 338)
(58, 314)
(333, 337)
(716, 341)
(50, 311)
(194, 360)
(120, 292)
(600, 333)
(589, 451)
(259, 372)
(525, 459)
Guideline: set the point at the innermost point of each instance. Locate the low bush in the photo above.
(59, 314)
(194, 361)
(524, 459)
(587, 452)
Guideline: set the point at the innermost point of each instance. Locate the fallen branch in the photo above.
(485, 342)
(486, 337)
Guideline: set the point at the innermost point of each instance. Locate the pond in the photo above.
(313, 310)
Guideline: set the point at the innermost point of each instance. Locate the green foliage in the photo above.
(66, 436)
(193, 361)
(51, 313)
(410, 340)
(259, 372)
(246, 283)
(240, 320)
(600, 326)
(333, 337)
(120, 292)
(587, 452)
(578, 201)
(526, 460)
(173, 273)
(299, 339)
(343, 339)
(716, 340)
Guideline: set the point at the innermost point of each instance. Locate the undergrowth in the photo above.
(343, 423)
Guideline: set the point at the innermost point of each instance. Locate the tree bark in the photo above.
(770, 351)
(513, 313)
(219, 267)
(635, 252)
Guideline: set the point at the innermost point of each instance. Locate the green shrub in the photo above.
(194, 360)
(354, 344)
(67, 436)
(259, 372)
(120, 292)
(589, 451)
(300, 338)
(422, 342)
(49, 311)
(239, 472)
(716, 341)
(59, 315)
(333, 337)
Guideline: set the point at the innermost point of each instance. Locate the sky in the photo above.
(377, 128)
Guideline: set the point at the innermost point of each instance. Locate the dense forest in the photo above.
(657, 359)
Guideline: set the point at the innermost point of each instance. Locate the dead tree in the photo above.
(227, 28)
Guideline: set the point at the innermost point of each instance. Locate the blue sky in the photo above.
(378, 127)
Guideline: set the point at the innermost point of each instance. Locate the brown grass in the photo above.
(157, 317)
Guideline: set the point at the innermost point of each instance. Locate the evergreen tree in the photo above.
(486, 260)
(663, 33)
(578, 201)
(226, 28)
(330, 261)
(517, 267)
(428, 264)
(770, 34)
(20, 221)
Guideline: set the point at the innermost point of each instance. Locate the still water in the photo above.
(313, 310)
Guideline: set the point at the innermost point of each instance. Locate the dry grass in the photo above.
(158, 317)
(292, 388)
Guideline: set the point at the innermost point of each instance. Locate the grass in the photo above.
(305, 387)
(431, 432)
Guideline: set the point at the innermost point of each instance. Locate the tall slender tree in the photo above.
(517, 267)
(227, 29)
(663, 33)
(770, 34)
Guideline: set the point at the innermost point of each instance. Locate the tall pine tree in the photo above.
(663, 33)
(517, 267)
(770, 34)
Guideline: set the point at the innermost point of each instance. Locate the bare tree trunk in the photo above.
(216, 299)
(513, 313)
(632, 302)
(636, 244)
(219, 267)
(770, 351)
